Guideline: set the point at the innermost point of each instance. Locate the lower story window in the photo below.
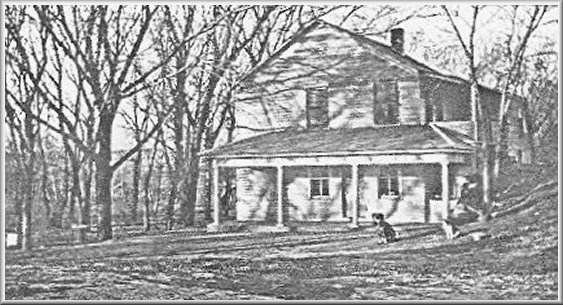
(388, 186)
(319, 187)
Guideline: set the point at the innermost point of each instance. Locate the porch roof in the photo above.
(377, 140)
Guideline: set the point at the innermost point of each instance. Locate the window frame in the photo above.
(386, 110)
(389, 187)
(317, 92)
(321, 189)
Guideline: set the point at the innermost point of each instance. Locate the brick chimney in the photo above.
(398, 40)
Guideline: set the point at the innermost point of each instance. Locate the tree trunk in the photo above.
(501, 153)
(136, 178)
(487, 182)
(201, 133)
(29, 174)
(485, 136)
(158, 191)
(146, 201)
(172, 180)
(147, 204)
(104, 177)
(488, 186)
(170, 206)
(501, 149)
(45, 184)
(86, 206)
(70, 198)
(27, 242)
(58, 215)
(175, 173)
(75, 190)
(192, 190)
(19, 211)
(147, 213)
(179, 156)
(482, 133)
(146, 188)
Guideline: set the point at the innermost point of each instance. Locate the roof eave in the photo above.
(343, 153)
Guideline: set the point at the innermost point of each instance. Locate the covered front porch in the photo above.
(286, 190)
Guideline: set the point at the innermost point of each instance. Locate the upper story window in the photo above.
(385, 103)
(317, 107)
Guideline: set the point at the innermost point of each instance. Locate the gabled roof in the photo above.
(317, 142)
(423, 68)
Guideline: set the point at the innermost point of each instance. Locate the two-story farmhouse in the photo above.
(336, 126)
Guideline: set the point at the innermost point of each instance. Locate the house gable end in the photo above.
(324, 53)
(275, 95)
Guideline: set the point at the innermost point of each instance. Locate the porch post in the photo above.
(214, 226)
(445, 189)
(354, 189)
(280, 195)
(215, 194)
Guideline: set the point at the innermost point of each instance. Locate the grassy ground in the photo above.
(518, 261)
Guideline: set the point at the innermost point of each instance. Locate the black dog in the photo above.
(383, 228)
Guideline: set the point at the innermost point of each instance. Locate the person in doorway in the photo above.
(383, 228)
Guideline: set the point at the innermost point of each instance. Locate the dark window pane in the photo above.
(385, 99)
(320, 187)
(388, 186)
(394, 186)
(315, 187)
(383, 186)
(325, 191)
(317, 107)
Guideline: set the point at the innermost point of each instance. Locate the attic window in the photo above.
(317, 107)
(385, 103)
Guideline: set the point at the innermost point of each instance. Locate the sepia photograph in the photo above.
(271, 151)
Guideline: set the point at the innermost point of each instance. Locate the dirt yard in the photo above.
(518, 262)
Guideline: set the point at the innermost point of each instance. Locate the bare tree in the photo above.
(106, 68)
(137, 121)
(541, 118)
(178, 26)
(480, 114)
(27, 64)
(514, 52)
